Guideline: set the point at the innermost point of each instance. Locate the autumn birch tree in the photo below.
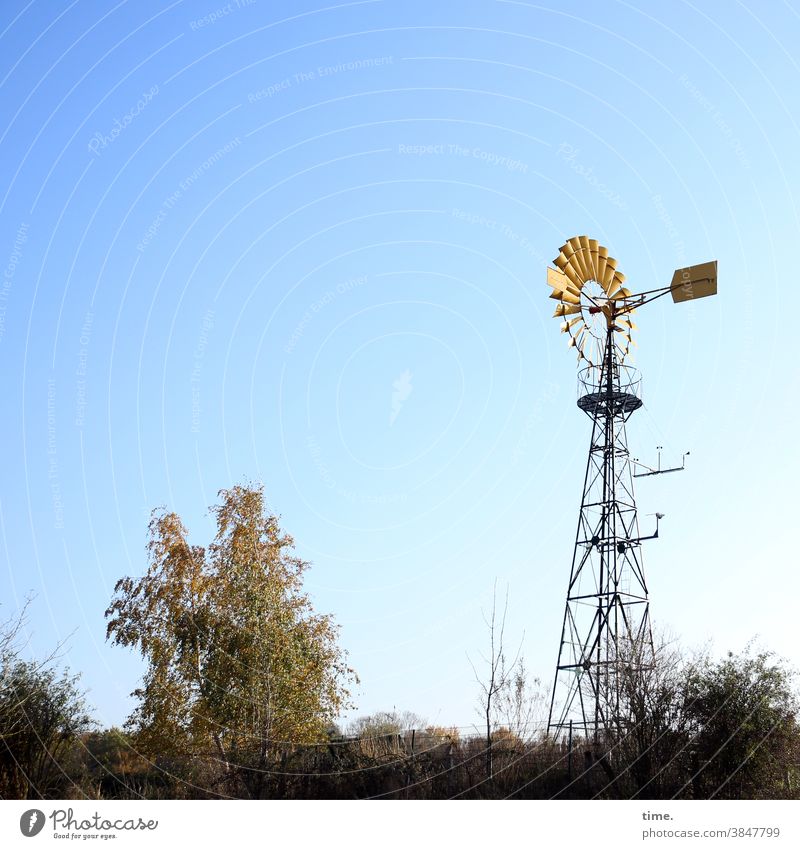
(238, 661)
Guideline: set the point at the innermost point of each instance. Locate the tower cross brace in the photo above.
(606, 637)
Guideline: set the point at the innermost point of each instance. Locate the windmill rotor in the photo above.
(590, 292)
(594, 302)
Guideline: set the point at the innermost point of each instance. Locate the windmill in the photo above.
(606, 637)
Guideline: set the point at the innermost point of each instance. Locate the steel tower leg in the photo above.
(606, 634)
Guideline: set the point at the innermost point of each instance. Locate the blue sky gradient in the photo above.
(306, 245)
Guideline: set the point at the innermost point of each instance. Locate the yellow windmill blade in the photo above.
(578, 258)
(572, 267)
(566, 297)
(556, 278)
(574, 260)
(569, 263)
(624, 335)
(608, 273)
(620, 294)
(566, 309)
(560, 282)
(616, 286)
(602, 257)
(562, 261)
(566, 251)
(570, 246)
(568, 325)
(595, 257)
(586, 257)
(623, 346)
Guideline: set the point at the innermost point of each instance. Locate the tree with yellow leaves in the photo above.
(238, 662)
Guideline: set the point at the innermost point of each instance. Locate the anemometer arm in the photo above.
(659, 516)
(623, 544)
(659, 470)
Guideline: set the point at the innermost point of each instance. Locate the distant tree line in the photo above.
(244, 681)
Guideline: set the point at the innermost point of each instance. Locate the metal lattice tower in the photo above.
(606, 629)
(606, 639)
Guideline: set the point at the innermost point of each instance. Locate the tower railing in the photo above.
(624, 397)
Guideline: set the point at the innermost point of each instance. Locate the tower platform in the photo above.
(595, 397)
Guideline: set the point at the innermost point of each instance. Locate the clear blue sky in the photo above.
(231, 233)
